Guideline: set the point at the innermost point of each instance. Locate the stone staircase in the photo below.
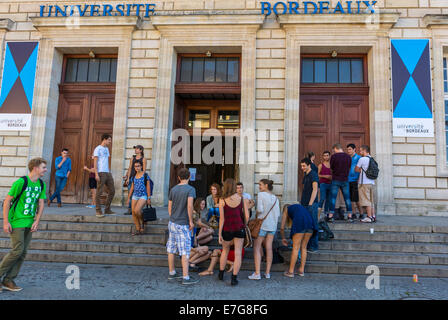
(396, 249)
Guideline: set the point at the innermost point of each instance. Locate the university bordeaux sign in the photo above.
(147, 9)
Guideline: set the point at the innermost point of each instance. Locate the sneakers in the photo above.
(10, 286)
(91, 206)
(189, 281)
(351, 219)
(367, 220)
(108, 211)
(267, 275)
(128, 213)
(174, 276)
(255, 276)
(99, 214)
(331, 220)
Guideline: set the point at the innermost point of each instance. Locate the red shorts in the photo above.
(231, 256)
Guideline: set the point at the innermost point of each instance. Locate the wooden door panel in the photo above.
(73, 113)
(101, 122)
(82, 118)
(314, 113)
(352, 112)
(329, 119)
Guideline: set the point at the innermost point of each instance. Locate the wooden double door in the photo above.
(85, 113)
(332, 116)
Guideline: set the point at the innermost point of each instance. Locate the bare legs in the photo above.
(299, 241)
(205, 235)
(238, 243)
(258, 252)
(93, 192)
(199, 254)
(137, 216)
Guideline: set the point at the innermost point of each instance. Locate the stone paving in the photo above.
(48, 281)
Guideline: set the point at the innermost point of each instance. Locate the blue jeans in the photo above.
(325, 196)
(60, 185)
(129, 189)
(334, 189)
(212, 212)
(313, 244)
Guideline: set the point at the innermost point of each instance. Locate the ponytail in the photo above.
(270, 183)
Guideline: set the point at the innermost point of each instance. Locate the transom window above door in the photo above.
(91, 70)
(332, 71)
(209, 70)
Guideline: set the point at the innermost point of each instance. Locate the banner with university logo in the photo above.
(411, 87)
(17, 87)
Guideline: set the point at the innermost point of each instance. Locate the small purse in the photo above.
(255, 224)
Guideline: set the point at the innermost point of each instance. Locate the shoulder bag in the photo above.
(248, 241)
(255, 224)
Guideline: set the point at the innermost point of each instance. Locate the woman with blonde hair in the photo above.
(302, 227)
(234, 214)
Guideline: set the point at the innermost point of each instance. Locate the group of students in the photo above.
(188, 234)
(100, 177)
(345, 173)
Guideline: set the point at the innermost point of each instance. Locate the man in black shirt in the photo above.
(309, 197)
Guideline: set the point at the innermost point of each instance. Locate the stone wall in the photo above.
(416, 180)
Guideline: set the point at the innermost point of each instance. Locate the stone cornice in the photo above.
(387, 19)
(75, 22)
(431, 20)
(206, 19)
(6, 24)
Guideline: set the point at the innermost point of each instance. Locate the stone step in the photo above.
(91, 246)
(392, 236)
(161, 261)
(383, 246)
(113, 219)
(99, 227)
(379, 257)
(97, 237)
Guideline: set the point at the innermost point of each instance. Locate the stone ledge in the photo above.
(6, 24)
(50, 22)
(210, 19)
(430, 20)
(389, 18)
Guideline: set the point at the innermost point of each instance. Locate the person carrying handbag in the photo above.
(268, 210)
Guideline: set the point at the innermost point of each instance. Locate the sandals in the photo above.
(206, 273)
(288, 274)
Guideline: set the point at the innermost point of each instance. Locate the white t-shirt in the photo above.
(247, 196)
(363, 163)
(103, 158)
(265, 202)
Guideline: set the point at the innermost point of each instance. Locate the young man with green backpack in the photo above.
(25, 197)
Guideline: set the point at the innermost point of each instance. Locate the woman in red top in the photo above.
(233, 217)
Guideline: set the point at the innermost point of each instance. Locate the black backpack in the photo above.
(325, 232)
(15, 201)
(372, 171)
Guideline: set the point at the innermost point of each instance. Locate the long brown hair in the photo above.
(218, 192)
(197, 205)
(229, 188)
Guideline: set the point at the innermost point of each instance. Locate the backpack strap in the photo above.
(16, 199)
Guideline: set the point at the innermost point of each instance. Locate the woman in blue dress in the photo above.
(141, 195)
(302, 227)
